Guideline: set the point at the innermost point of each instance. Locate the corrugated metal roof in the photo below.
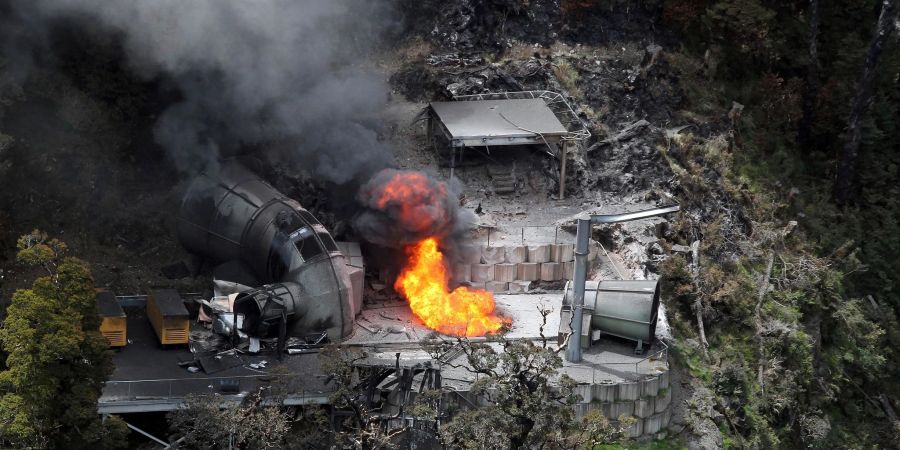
(498, 118)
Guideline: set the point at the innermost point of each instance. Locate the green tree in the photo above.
(57, 359)
(529, 404)
(207, 421)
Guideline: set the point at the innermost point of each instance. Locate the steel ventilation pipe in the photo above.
(624, 308)
(233, 215)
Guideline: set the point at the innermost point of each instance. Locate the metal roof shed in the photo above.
(498, 122)
(508, 118)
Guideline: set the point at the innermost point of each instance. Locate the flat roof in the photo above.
(169, 302)
(108, 306)
(517, 118)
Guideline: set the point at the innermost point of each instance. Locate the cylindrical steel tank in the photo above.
(232, 214)
(624, 308)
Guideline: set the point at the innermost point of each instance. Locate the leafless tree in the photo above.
(846, 173)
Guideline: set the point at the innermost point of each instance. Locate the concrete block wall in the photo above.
(647, 400)
(511, 268)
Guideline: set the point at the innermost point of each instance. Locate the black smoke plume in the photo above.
(249, 74)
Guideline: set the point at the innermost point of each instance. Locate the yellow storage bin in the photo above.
(113, 325)
(169, 317)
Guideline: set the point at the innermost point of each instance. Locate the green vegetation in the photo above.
(797, 292)
(57, 360)
(529, 404)
(206, 422)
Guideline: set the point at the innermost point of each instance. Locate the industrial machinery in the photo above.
(233, 216)
(113, 323)
(169, 317)
(623, 308)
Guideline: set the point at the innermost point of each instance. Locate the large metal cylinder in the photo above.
(233, 215)
(624, 308)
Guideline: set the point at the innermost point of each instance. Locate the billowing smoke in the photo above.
(403, 207)
(289, 74)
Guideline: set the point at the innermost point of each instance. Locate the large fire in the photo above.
(423, 282)
(410, 208)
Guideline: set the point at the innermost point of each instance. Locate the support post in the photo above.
(148, 435)
(452, 159)
(563, 156)
(582, 237)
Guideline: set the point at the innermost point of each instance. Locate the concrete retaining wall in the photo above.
(507, 264)
(647, 400)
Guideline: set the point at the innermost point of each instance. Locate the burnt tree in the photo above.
(844, 183)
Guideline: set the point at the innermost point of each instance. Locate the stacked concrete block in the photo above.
(550, 271)
(519, 287)
(645, 407)
(646, 400)
(482, 273)
(650, 386)
(496, 286)
(663, 400)
(493, 255)
(539, 253)
(629, 391)
(622, 408)
(546, 262)
(563, 252)
(604, 392)
(529, 271)
(462, 272)
(636, 430)
(470, 254)
(664, 380)
(517, 254)
(505, 272)
(568, 270)
(654, 423)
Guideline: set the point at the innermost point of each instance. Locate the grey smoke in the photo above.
(291, 73)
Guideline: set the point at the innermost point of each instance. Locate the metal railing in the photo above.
(534, 238)
(176, 388)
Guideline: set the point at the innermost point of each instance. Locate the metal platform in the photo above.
(505, 119)
(498, 122)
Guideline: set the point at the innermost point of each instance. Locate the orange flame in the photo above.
(418, 200)
(423, 282)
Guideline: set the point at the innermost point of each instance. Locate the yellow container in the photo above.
(113, 324)
(169, 317)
